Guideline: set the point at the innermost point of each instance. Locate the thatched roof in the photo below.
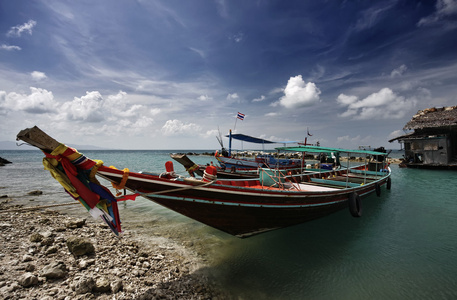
(433, 117)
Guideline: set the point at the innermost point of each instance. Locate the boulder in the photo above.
(54, 270)
(102, 285)
(28, 279)
(36, 237)
(84, 285)
(79, 246)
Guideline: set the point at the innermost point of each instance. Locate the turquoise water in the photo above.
(403, 247)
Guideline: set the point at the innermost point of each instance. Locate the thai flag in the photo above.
(240, 116)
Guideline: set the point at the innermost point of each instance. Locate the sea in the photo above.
(403, 247)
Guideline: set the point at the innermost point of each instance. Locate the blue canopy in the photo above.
(251, 139)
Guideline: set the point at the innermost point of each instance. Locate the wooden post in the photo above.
(38, 138)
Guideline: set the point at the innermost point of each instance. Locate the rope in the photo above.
(38, 207)
(73, 203)
(179, 189)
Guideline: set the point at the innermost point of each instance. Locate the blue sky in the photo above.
(168, 74)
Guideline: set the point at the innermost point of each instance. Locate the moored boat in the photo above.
(242, 207)
(229, 161)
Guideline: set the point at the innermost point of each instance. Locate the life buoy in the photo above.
(389, 183)
(378, 189)
(355, 205)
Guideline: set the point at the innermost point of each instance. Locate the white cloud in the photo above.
(384, 104)
(19, 29)
(176, 127)
(155, 111)
(238, 37)
(9, 48)
(444, 9)
(396, 133)
(87, 108)
(298, 93)
(199, 52)
(232, 96)
(36, 75)
(204, 98)
(262, 97)
(39, 101)
(398, 72)
(119, 106)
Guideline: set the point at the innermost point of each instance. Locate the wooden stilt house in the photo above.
(433, 142)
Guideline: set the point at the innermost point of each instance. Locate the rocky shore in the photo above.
(48, 255)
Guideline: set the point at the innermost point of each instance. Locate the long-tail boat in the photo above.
(242, 207)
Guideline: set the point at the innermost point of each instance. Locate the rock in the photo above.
(27, 258)
(84, 285)
(102, 285)
(75, 223)
(28, 279)
(84, 263)
(51, 250)
(116, 286)
(47, 241)
(4, 161)
(36, 237)
(30, 267)
(54, 270)
(80, 246)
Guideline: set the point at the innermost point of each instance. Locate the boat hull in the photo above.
(240, 211)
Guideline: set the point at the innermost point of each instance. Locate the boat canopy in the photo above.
(251, 139)
(316, 149)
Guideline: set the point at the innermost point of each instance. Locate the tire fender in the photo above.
(389, 183)
(378, 189)
(355, 205)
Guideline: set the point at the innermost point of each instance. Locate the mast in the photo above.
(230, 143)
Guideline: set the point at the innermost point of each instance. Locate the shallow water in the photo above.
(403, 247)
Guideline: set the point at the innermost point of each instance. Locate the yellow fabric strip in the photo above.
(50, 165)
(94, 171)
(121, 185)
(59, 150)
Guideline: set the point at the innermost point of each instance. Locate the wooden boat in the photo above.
(229, 161)
(199, 170)
(239, 207)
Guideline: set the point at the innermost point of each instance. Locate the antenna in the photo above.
(219, 138)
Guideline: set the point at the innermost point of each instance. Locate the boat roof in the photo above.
(251, 139)
(317, 149)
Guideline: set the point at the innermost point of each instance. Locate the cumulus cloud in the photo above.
(396, 133)
(38, 101)
(204, 98)
(232, 96)
(16, 31)
(176, 127)
(262, 97)
(36, 75)
(298, 93)
(87, 108)
(398, 71)
(444, 9)
(384, 104)
(119, 106)
(9, 48)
